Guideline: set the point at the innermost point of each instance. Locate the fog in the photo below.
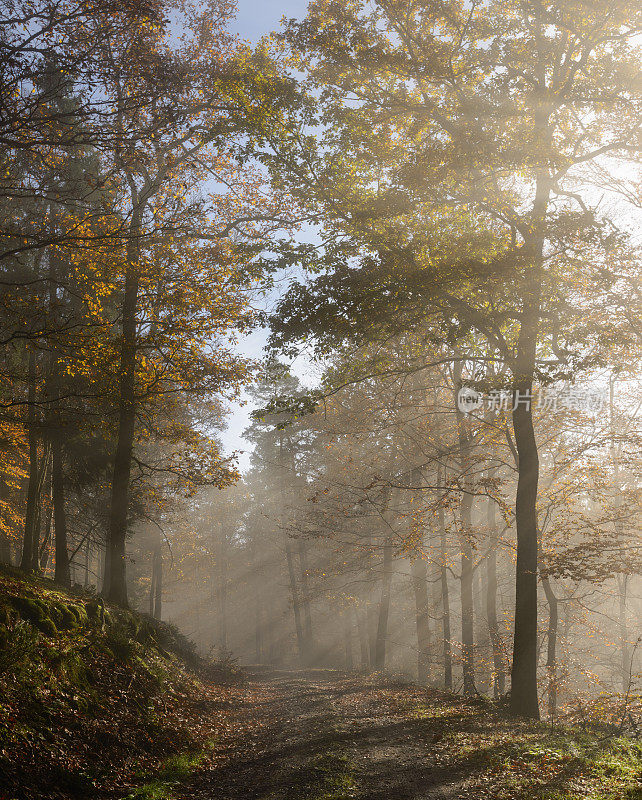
(358, 528)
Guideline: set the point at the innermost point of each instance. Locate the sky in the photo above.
(257, 18)
(254, 19)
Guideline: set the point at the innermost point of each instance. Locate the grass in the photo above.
(567, 764)
(522, 759)
(173, 771)
(325, 776)
(605, 770)
(333, 774)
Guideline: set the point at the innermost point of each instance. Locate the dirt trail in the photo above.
(327, 736)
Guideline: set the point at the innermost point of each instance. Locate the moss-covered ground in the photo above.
(99, 702)
(93, 699)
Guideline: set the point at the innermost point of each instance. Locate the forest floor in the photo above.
(98, 703)
(321, 735)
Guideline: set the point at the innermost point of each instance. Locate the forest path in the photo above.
(323, 735)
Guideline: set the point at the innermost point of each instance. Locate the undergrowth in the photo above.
(90, 694)
(524, 759)
(177, 768)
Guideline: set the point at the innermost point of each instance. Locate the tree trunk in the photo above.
(524, 700)
(564, 662)
(45, 547)
(258, 637)
(347, 635)
(258, 624)
(445, 602)
(156, 584)
(420, 587)
(362, 629)
(62, 574)
(152, 589)
(467, 613)
(384, 607)
(622, 580)
(466, 505)
(305, 600)
(119, 510)
(625, 658)
(157, 568)
(117, 583)
(5, 542)
(422, 610)
(87, 561)
(499, 676)
(106, 569)
(42, 477)
(294, 593)
(551, 648)
(222, 592)
(372, 619)
(26, 562)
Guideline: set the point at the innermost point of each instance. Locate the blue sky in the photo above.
(253, 20)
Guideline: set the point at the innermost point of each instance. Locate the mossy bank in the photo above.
(92, 697)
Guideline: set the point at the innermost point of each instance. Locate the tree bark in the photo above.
(466, 506)
(499, 675)
(625, 658)
(152, 589)
(157, 566)
(26, 562)
(294, 591)
(5, 542)
(420, 588)
(467, 607)
(305, 600)
(384, 607)
(422, 610)
(524, 700)
(62, 574)
(45, 546)
(222, 591)
(551, 647)
(258, 625)
(42, 476)
(296, 608)
(106, 568)
(362, 629)
(622, 580)
(372, 620)
(347, 635)
(156, 583)
(87, 561)
(116, 582)
(445, 602)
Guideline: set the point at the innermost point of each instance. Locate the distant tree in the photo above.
(450, 169)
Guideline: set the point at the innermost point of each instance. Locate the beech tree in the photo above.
(181, 276)
(130, 233)
(450, 171)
